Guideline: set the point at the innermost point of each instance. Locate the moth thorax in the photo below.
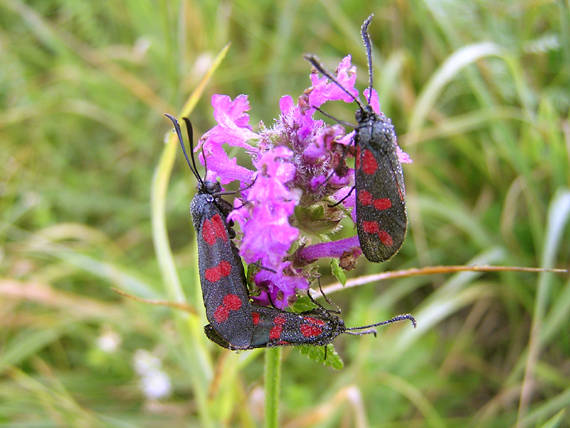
(210, 187)
(199, 205)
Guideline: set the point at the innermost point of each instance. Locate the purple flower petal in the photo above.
(317, 182)
(347, 139)
(275, 163)
(403, 157)
(286, 104)
(324, 90)
(222, 167)
(334, 249)
(374, 101)
(230, 113)
(267, 237)
(232, 128)
(279, 286)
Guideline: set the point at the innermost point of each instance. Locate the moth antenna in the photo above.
(271, 300)
(362, 333)
(337, 311)
(205, 162)
(233, 192)
(250, 185)
(368, 46)
(321, 307)
(265, 268)
(192, 165)
(343, 199)
(330, 116)
(315, 63)
(190, 132)
(390, 321)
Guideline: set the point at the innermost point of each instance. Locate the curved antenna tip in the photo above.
(192, 165)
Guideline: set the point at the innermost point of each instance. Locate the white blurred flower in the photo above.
(256, 401)
(203, 63)
(145, 362)
(141, 47)
(109, 341)
(155, 384)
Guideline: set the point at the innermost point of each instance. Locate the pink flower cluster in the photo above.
(299, 161)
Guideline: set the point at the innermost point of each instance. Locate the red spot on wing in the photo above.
(308, 330)
(279, 320)
(369, 164)
(214, 228)
(373, 227)
(357, 157)
(277, 329)
(382, 204)
(385, 238)
(314, 321)
(221, 314)
(275, 332)
(225, 268)
(370, 227)
(230, 303)
(364, 197)
(255, 318)
(218, 272)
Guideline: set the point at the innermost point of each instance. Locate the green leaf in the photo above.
(338, 272)
(303, 304)
(555, 420)
(317, 219)
(317, 353)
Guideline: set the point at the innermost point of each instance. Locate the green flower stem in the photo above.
(272, 386)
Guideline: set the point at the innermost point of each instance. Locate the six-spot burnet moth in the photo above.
(222, 276)
(381, 218)
(235, 323)
(318, 327)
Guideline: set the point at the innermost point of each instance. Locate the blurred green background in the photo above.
(479, 93)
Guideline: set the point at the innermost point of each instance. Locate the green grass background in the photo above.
(479, 93)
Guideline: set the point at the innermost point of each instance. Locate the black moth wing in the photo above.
(214, 336)
(222, 277)
(275, 327)
(380, 189)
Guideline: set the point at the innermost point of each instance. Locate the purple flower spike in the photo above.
(299, 169)
(264, 217)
